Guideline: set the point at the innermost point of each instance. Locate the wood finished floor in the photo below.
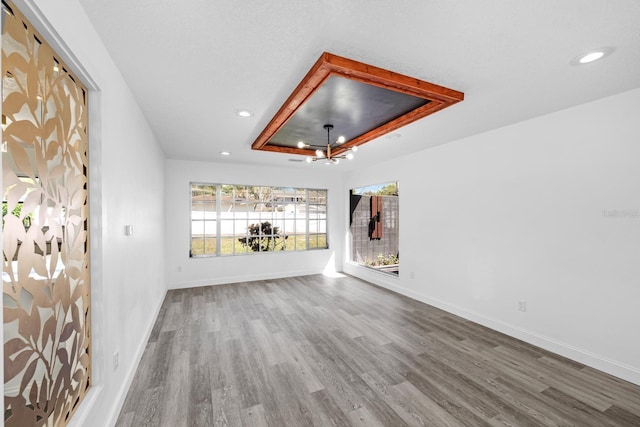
(338, 351)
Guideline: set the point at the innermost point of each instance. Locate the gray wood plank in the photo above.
(318, 351)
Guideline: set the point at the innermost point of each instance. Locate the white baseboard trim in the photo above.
(241, 278)
(131, 372)
(612, 367)
(79, 419)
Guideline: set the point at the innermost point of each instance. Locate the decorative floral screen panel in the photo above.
(46, 299)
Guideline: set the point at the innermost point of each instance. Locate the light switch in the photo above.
(128, 230)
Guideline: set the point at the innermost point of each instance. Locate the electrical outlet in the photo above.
(116, 360)
(522, 305)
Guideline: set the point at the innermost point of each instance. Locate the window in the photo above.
(241, 219)
(374, 226)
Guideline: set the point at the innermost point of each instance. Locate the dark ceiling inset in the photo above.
(354, 108)
(361, 101)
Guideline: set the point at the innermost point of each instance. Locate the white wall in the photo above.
(230, 269)
(545, 211)
(126, 187)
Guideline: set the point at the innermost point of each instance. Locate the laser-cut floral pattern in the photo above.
(47, 364)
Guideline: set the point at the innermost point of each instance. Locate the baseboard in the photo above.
(240, 278)
(596, 361)
(79, 419)
(131, 372)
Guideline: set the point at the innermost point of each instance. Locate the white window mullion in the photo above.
(218, 220)
(306, 244)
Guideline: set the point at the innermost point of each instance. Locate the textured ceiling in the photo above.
(192, 64)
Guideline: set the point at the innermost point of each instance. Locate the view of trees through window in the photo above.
(374, 226)
(240, 219)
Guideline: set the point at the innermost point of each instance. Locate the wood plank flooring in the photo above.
(318, 351)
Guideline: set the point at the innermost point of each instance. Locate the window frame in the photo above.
(294, 191)
(369, 191)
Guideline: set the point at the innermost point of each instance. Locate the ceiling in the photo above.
(192, 64)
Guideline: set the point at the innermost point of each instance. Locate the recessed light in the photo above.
(591, 56)
(225, 153)
(243, 113)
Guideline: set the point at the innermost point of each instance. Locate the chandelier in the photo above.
(326, 154)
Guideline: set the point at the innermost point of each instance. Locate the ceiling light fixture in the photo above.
(326, 155)
(243, 113)
(225, 153)
(591, 56)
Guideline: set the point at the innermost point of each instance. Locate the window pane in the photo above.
(318, 241)
(301, 225)
(226, 237)
(312, 213)
(203, 192)
(301, 242)
(210, 209)
(242, 243)
(197, 245)
(209, 245)
(240, 193)
(226, 245)
(313, 241)
(209, 228)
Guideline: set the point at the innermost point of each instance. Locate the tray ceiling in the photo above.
(361, 101)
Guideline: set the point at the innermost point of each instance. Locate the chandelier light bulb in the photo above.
(341, 140)
(354, 149)
(301, 144)
(309, 159)
(350, 156)
(319, 153)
